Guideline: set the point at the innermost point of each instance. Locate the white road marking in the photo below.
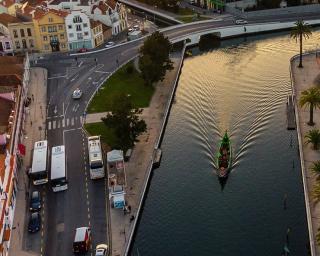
(76, 119)
(49, 125)
(72, 121)
(54, 124)
(63, 122)
(75, 77)
(81, 62)
(55, 77)
(68, 121)
(104, 72)
(81, 119)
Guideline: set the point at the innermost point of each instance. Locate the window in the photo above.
(79, 36)
(17, 44)
(31, 43)
(60, 27)
(86, 33)
(43, 29)
(85, 25)
(77, 19)
(7, 45)
(24, 44)
(78, 27)
(22, 32)
(46, 47)
(50, 19)
(45, 38)
(71, 35)
(52, 29)
(15, 33)
(61, 36)
(69, 26)
(29, 32)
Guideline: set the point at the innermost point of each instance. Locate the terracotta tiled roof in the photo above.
(39, 13)
(111, 3)
(101, 6)
(94, 23)
(5, 19)
(105, 27)
(7, 3)
(5, 60)
(10, 80)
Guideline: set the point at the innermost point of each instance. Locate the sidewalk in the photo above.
(35, 118)
(303, 79)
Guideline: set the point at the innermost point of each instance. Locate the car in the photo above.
(82, 240)
(77, 93)
(35, 201)
(109, 44)
(130, 29)
(136, 27)
(82, 50)
(34, 222)
(239, 22)
(101, 250)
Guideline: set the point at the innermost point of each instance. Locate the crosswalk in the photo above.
(59, 123)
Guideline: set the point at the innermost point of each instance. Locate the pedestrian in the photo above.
(30, 122)
(131, 218)
(32, 97)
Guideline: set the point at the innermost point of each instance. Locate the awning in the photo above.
(22, 149)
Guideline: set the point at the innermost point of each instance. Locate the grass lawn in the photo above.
(122, 82)
(185, 11)
(188, 19)
(107, 135)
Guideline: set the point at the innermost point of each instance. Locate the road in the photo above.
(84, 203)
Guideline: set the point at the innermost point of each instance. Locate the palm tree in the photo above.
(316, 193)
(313, 137)
(311, 98)
(300, 31)
(316, 167)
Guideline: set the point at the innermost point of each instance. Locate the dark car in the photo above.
(35, 201)
(34, 222)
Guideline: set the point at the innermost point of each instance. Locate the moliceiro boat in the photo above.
(224, 156)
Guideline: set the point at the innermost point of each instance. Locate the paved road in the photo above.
(84, 203)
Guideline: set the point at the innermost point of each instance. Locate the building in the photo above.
(107, 32)
(14, 78)
(110, 13)
(78, 29)
(9, 7)
(97, 32)
(22, 33)
(6, 47)
(50, 30)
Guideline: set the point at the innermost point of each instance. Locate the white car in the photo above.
(77, 93)
(101, 250)
(109, 44)
(239, 22)
(136, 27)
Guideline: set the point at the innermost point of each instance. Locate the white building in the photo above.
(78, 30)
(109, 12)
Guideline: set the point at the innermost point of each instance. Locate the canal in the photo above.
(240, 87)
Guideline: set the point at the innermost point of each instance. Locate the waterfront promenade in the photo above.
(304, 78)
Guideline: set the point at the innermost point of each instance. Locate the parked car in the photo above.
(35, 201)
(34, 222)
(82, 50)
(101, 250)
(82, 240)
(136, 27)
(109, 44)
(239, 22)
(77, 93)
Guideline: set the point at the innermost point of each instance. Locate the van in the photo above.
(82, 240)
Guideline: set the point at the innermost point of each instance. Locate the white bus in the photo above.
(58, 179)
(39, 172)
(95, 158)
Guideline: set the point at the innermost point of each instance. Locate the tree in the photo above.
(154, 58)
(125, 122)
(300, 31)
(293, 2)
(311, 98)
(269, 4)
(315, 167)
(313, 137)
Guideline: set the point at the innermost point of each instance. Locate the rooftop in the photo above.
(41, 12)
(5, 19)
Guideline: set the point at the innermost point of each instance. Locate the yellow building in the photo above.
(10, 7)
(50, 30)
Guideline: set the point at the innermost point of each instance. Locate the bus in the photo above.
(39, 172)
(58, 177)
(95, 157)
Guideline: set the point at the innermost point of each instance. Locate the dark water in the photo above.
(240, 87)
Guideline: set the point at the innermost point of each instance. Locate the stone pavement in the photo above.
(137, 167)
(34, 119)
(303, 78)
